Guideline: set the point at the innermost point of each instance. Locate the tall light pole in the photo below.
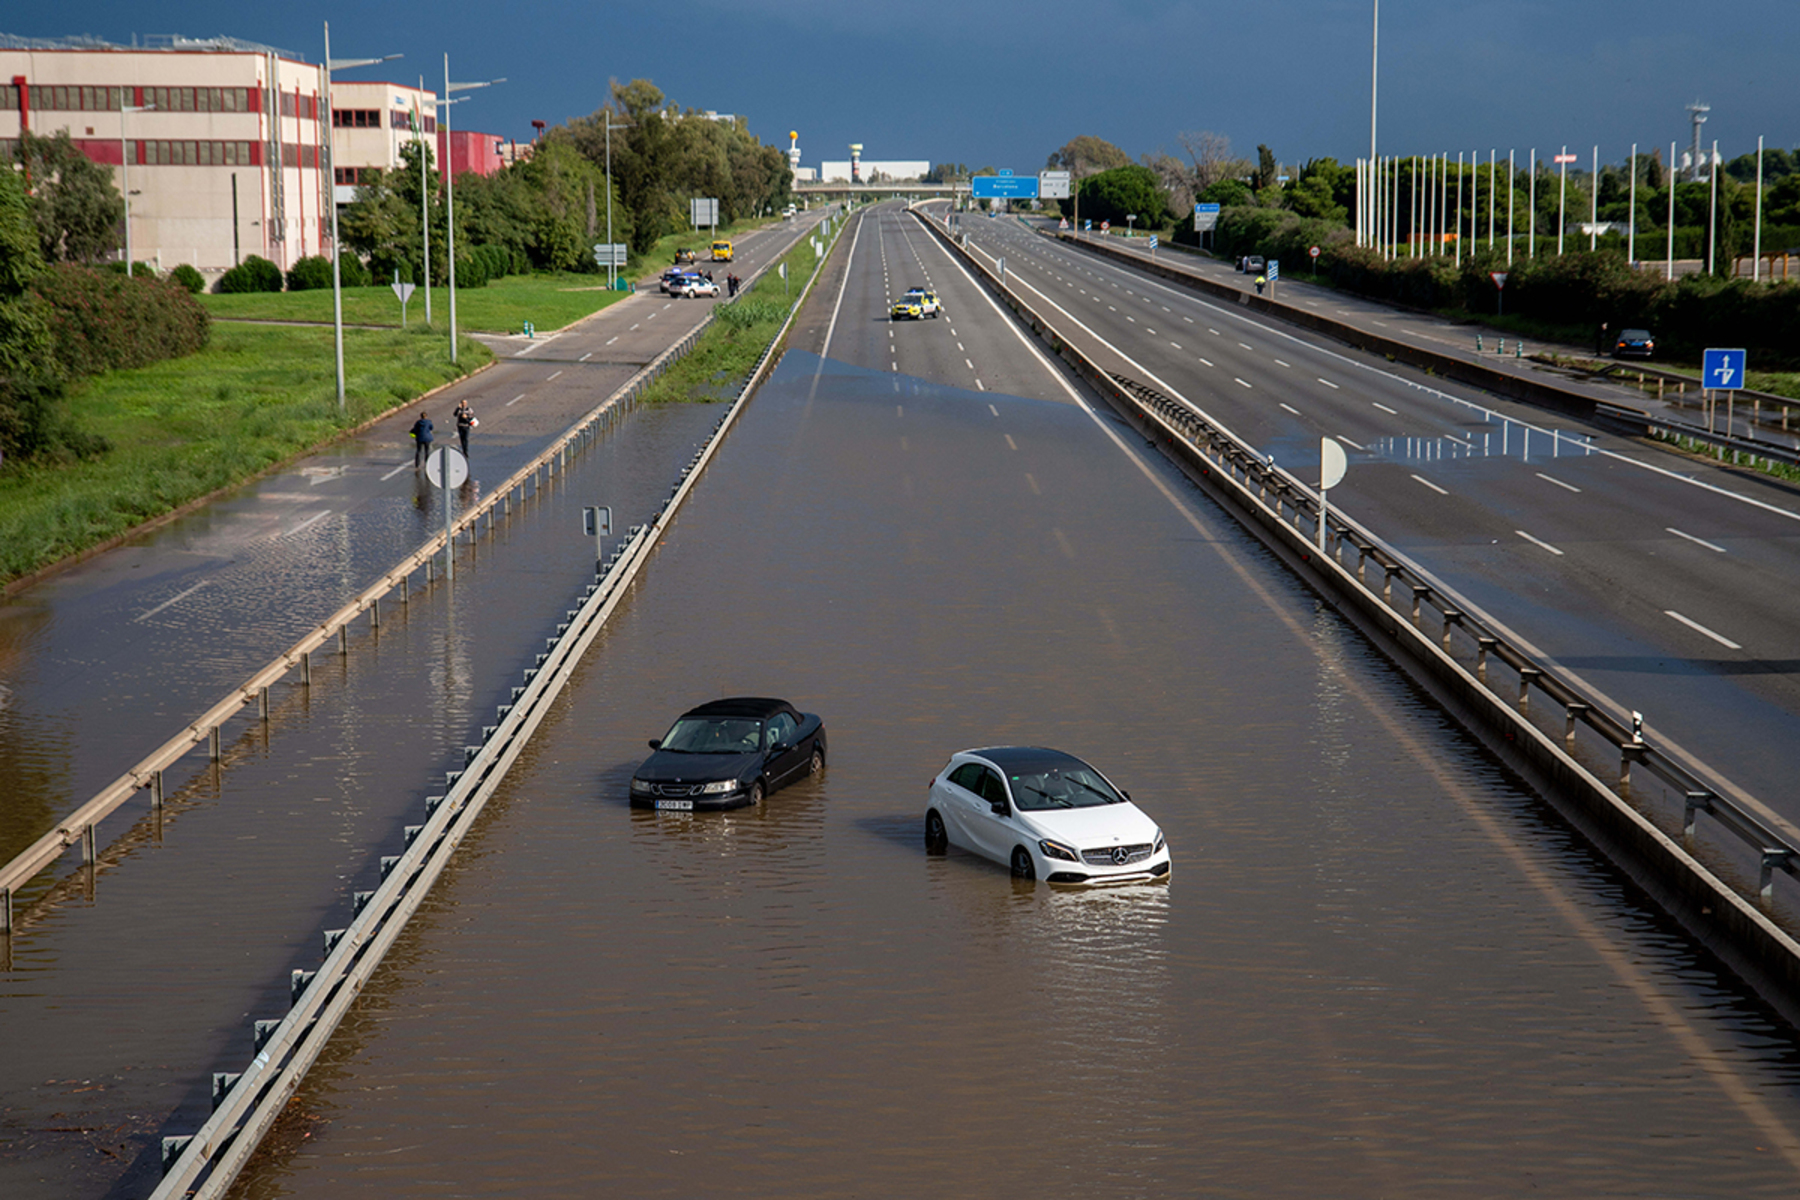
(612, 267)
(337, 287)
(1374, 78)
(1712, 213)
(1512, 195)
(1669, 249)
(1594, 206)
(450, 190)
(1631, 219)
(1562, 199)
(125, 166)
(1756, 242)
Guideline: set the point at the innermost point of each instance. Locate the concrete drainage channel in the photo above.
(1465, 658)
(246, 1104)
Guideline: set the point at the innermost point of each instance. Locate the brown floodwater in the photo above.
(1381, 967)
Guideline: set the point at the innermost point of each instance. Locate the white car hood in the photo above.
(1093, 828)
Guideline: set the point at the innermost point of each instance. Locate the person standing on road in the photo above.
(421, 432)
(465, 421)
(1260, 281)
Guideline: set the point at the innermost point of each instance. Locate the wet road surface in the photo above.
(1380, 968)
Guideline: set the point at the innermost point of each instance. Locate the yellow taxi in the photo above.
(721, 251)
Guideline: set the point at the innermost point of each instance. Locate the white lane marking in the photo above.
(1189, 320)
(825, 350)
(586, 356)
(1697, 627)
(899, 410)
(514, 400)
(1384, 408)
(1434, 487)
(980, 386)
(1247, 345)
(393, 472)
(968, 364)
(1035, 489)
(535, 345)
(309, 522)
(1131, 318)
(552, 377)
(1214, 332)
(635, 328)
(1279, 363)
(1348, 442)
(174, 600)
(1177, 345)
(962, 347)
(1559, 483)
(1291, 409)
(1241, 382)
(993, 410)
(1334, 387)
(1697, 541)
(654, 315)
(1010, 444)
(1206, 362)
(612, 339)
(1539, 542)
(1112, 307)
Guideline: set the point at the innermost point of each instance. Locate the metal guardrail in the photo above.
(247, 1104)
(1286, 512)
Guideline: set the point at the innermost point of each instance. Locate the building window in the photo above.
(9, 97)
(356, 118)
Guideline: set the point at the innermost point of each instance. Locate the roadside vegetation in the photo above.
(726, 353)
(176, 430)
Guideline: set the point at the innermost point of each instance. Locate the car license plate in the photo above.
(683, 805)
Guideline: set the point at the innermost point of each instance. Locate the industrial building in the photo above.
(223, 139)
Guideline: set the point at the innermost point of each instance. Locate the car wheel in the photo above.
(756, 793)
(818, 762)
(1021, 864)
(937, 838)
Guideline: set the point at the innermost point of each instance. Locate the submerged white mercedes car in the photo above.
(1045, 814)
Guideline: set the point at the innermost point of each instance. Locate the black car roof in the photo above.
(1007, 757)
(760, 707)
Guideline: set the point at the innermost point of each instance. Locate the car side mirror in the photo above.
(999, 807)
(656, 743)
(781, 748)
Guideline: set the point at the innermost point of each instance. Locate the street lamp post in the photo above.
(125, 166)
(1130, 223)
(1562, 199)
(612, 267)
(1374, 80)
(337, 287)
(450, 191)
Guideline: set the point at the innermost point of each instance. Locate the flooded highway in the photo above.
(1381, 967)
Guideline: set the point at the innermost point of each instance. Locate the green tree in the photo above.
(1319, 193)
(1087, 155)
(74, 203)
(31, 387)
(1116, 194)
(1267, 170)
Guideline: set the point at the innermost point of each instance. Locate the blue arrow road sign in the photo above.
(1274, 270)
(1087, 226)
(1723, 370)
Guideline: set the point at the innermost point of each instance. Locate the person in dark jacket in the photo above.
(421, 432)
(465, 421)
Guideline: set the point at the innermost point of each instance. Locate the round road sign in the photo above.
(1314, 251)
(459, 467)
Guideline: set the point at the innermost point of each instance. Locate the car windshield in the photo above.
(1037, 787)
(1636, 335)
(714, 735)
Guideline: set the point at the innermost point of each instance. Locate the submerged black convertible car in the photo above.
(728, 754)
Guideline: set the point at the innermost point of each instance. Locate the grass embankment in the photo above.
(727, 352)
(255, 396)
(548, 301)
(503, 306)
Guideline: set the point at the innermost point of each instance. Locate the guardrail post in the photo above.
(1772, 858)
(1629, 753)
(344, 640)
(1387, 584)
(1527, 677)
(430, 569)
(221, 1085)
(262, 703)
(306, 668)
(1696, 802)
(375, 613)
(88, 854)
(1452, 618)
(1574, 711)
(213, 739)
(6, 917)
(172, 1148)
(297, 981)
(261, 1032)
(1419, 592)
(156, 789)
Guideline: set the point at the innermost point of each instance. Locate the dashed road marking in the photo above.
(1539, 542)
(1334, 387)
(552, 377)
(1384, 408)
(1010, 444)
(1697, 627)
(183, 596)
(1291, 409)
(1697, 541)
(1559, 483)
(1241, 382)
(1434, 487)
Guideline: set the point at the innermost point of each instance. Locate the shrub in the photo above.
(351, 272)
(470, 273)
(189, 278)
(309, 274)
(254, 274)
(100, 321)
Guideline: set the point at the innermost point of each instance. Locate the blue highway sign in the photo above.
(1004, 187)
(1723, 370)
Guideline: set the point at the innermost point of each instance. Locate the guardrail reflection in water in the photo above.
(1286, 514)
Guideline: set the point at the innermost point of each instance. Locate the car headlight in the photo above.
(720, 787)
(1159, 842)
(640, 786)
(1058, 850)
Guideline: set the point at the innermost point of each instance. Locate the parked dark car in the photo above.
(729, 754)
(1634, 343)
